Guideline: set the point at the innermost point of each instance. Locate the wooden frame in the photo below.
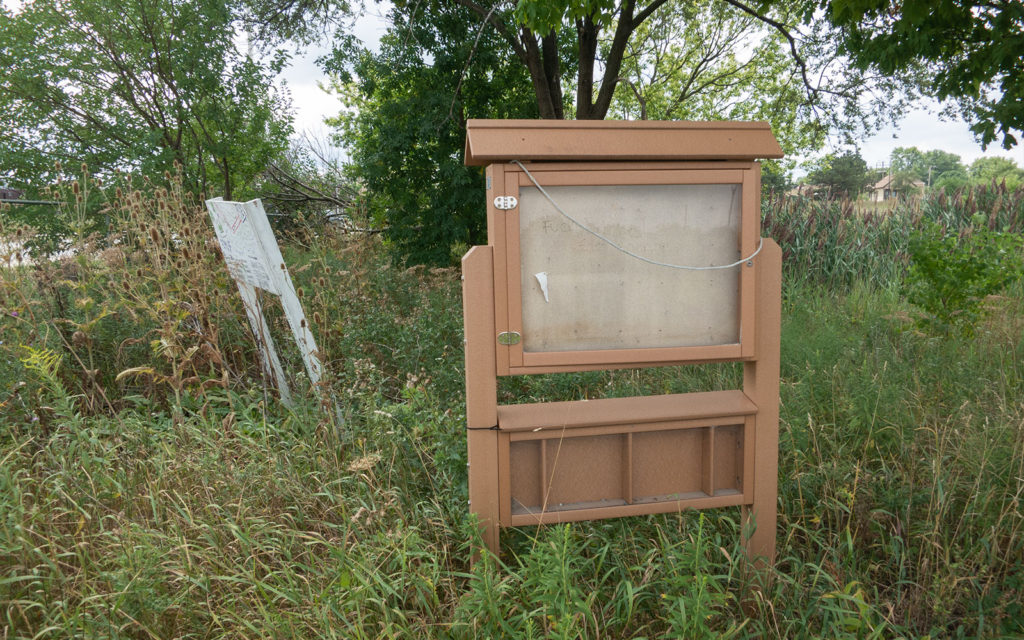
(503, 233)
(550, 462)
(492, 429)
(492, 141)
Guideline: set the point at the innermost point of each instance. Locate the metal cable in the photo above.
(626, 251)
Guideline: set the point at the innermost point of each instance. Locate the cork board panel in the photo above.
(599, 297)
(524, 464)
(668, 463)
(584, 470)
(729, 458)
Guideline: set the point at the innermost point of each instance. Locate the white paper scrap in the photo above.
(542, 279)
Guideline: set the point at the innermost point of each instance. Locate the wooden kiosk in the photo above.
(622, 245)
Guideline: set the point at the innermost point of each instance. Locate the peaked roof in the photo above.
(887, 179)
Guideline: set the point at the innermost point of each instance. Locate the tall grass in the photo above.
(836, 243)
(163, 505)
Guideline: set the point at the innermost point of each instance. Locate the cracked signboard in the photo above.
(255, 262)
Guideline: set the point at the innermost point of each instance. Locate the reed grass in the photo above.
(838, 243)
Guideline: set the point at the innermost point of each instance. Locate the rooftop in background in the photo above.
(886, 181)
(489, 141)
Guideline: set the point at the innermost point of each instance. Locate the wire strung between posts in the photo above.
(626, 251)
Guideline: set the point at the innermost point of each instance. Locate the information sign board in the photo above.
(255, 261)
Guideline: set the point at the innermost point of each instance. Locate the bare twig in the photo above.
(639, 96)
(784, 30)
(469, 59)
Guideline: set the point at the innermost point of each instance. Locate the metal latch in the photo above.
(505, 203)
(509, 338)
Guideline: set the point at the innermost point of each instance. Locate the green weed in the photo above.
(182, 500)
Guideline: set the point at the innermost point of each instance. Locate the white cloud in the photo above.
(304, 77)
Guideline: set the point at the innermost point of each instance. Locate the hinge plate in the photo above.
(509, 338)
(505, 203)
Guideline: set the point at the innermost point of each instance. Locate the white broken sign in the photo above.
(254, 260)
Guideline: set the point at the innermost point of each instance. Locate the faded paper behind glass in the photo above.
(598, 297)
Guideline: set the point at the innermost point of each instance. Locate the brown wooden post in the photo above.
(481, 389)
(761, 385)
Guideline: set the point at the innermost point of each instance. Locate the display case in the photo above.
(613, 245)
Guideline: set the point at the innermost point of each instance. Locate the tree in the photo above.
(935, 168)
(989, 170)
(968, 52)
(703, 60)
(406, 131)
(567, 43)
(599, 33)
(844, 175)
(135, 85)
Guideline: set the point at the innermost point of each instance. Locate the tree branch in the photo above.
(613, 64)
(784, 30)
(487, 16)
(646, 12)
(469, 58)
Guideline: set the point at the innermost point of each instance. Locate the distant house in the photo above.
(10, 194)
(805, 190)
(884, 189)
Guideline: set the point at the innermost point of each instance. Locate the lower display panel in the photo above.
(650, 470)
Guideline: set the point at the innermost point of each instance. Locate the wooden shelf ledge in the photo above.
(636, 410)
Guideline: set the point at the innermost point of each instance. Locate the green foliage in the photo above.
(407, 134)
(844, 175)
(963, 50)
(144, 312)
(140, 85)
(951, 274)
(994, 170)
(935, 167)
(706, 61)
(77, 209)
(838, 243)
(545, 16)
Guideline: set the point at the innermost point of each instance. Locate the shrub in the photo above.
(951, 274)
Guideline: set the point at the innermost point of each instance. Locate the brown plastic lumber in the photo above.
(481, 390)
(761, 384)
(506, 179)
(496, 225)
(491, 141)
(698, 500)
(612, 411)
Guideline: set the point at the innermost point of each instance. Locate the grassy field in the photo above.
(152, 487)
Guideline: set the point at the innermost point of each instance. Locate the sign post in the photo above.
(622, 245)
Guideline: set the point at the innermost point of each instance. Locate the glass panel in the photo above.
(599, 297)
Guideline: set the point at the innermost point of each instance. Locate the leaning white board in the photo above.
(255, 261)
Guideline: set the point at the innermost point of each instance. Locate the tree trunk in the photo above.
(553, 73)
(613, 64)
(227, 180)
(586, 32)
(539, 63)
